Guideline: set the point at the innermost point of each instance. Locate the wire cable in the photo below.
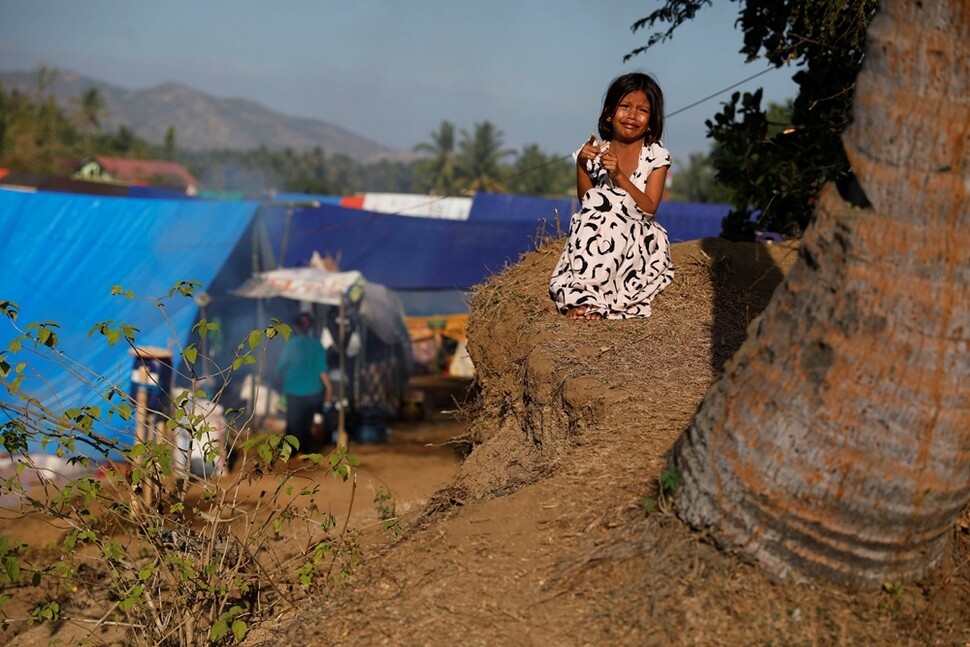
(722, 91)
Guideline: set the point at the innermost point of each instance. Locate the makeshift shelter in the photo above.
(370, 386)
(65, 253)
(432, 263)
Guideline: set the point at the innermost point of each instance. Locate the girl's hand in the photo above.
(588, 152)
(612, 165)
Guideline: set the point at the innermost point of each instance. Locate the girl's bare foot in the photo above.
(576, 313)
(593, 316)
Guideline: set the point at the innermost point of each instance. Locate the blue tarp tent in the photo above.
(403, 252)
(323, 198)
(691, 220)
(504, 207)
(430, 263)
(62, 253)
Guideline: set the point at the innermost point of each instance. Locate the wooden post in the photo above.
(140, 504)
(151, 372)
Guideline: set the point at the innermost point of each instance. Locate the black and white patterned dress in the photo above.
(616, 260)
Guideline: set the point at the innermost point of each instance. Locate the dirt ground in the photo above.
(419, 458)
(543, 534)
(543, 538)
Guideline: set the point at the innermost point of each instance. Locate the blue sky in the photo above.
(392, 70)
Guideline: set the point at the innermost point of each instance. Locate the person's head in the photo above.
(303, 323)
(621, 88)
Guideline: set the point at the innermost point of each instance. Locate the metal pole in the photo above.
(286, 237)
(342, 401)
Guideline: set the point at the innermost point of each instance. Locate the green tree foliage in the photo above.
(122, 143)
(776, 173)
(696, 181)
(480, 159)
(310, 174)
(437, 173)
(33, 134)
(37, 137)
(449, 167)
(170, 143)
(699, 180)
(535, 173)
(91, 109)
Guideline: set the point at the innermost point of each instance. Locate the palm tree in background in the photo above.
(438, 170)
(91, 109)
(480, 159)
(535, 173)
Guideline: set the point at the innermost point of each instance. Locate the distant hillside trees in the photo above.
(480, 158)
(37, 136)
(478, 163)
(696, 181)
(32, 134)
(537, 173)
(91, 109)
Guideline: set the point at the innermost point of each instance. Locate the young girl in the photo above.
(617, 257)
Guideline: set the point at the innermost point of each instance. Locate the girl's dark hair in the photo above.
(624, 85)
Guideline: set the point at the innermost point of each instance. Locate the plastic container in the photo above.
(372, 426)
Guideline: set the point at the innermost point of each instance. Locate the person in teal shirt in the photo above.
(302, 365)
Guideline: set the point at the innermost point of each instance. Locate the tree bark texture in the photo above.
(837, 442)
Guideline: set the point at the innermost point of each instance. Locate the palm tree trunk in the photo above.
(837, 443)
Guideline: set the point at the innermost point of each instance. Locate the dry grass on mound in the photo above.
(545, 377)
(544, 538)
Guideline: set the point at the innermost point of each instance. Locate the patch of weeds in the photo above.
(179, 561)
(390, 522)
(647, 503)
(669, 479)
(666, 484)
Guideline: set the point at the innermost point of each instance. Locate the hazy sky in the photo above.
(392, 70)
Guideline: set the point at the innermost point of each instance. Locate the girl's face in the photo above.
(631, 117)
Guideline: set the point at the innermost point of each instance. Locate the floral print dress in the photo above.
(616, 260)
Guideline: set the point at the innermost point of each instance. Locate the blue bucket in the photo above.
(372, 426)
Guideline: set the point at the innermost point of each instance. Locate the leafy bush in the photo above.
(151, 549)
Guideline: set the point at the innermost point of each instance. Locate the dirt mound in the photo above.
(553, 532)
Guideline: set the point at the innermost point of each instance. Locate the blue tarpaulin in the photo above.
(504, 207)
(407, 253)
(691, 220)
(402, 252)
(285, 196)
(63, 253)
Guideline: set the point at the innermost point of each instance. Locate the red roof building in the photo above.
(160, 173)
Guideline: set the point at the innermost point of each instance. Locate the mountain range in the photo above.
(201, 122)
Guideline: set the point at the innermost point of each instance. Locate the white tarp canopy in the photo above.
(374, 306)
(305, 284)
(380, 309)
